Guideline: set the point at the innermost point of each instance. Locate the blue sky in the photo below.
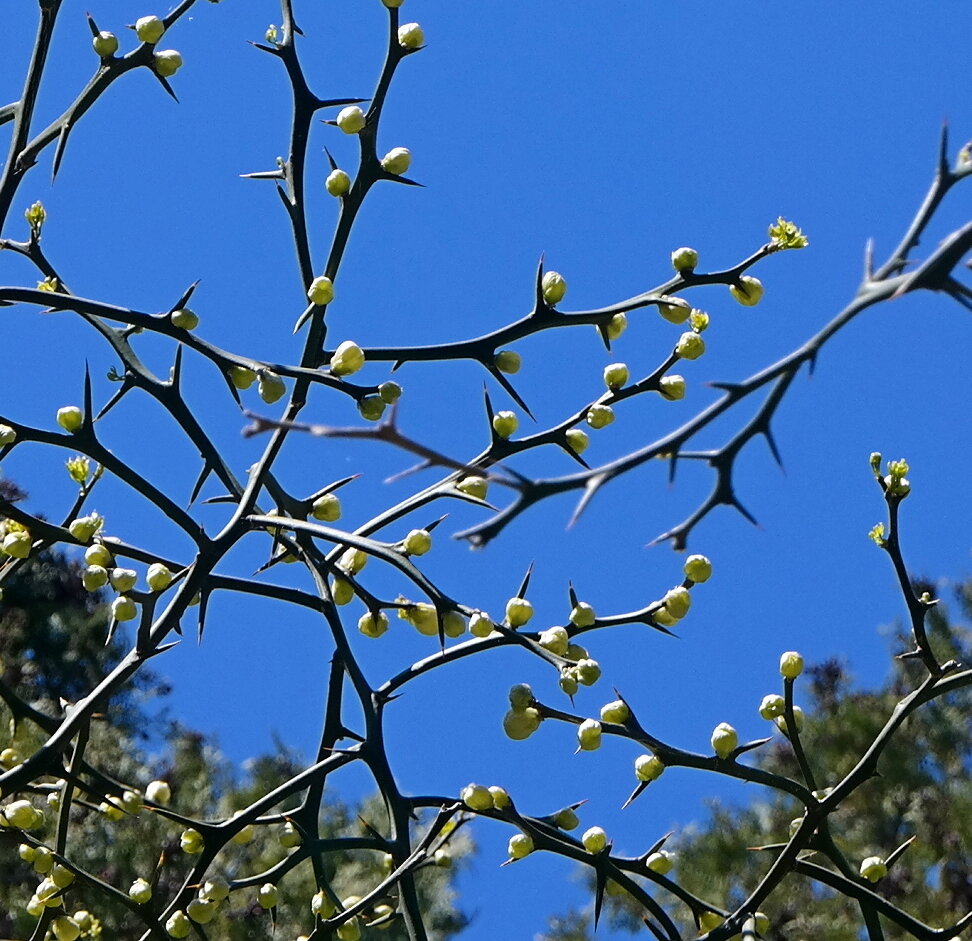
(603, 137)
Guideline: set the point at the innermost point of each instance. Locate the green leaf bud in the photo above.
(648, 767)
(787, 235)
(327, 508)
(675, 310)
(505, 423)
(397, 161)
(518, 612)
(594, 839)
(348, 358)
(519, 724)
(690, 345)
(241, 376)
(749, 291)
(149, 29)
(616, 712)
(473, 487)
(554, 639)
(685, 259)
(616, 376)
(351, 120)
(724, 739)
(791, 665)
(105, 44)
(321, 291)
(589, 735)
(697, 568)
(70, 418)
(271, 387)
(600, 416)
(338, 183)
(477, 797)
(698, 320)
(411, 36)
(553, 286)
(373, 625)
(660, 862)
(577, 440)
(520, 845)
(507, 361)
(167, 62)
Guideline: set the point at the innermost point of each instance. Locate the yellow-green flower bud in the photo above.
(16, 544)
(321, 905)
(85, 527)
(582, 615)
(724, 739)
(149, 29)
(588, 671)
(677, 602)
(397, 160)
(70, 418)
(289, 837)
(675, 310)
(167, 62)
(338, 183)
(600, 416)
(709, 921)
(568, 681)
(749, 291)
(660, 862)
(473, 487)
(349, 930)
(123, 580)
(505, 423)
(566, 819)
(787, 235)
(371, 407)
(178, 925)
(271, 387)
(577, 440)
(518, 612)
(672, 387)
(576, 653)
(762, 923)
(353, 560)
(61, 876)
(7, 435)
(351, 120)
(43, 860)
(10, 757)
(453, 624)
(553, 286)
(411, 36)
(191, 841)
(321, 291)
(105, 44)
(480, 625)
(698, 320)
(508, 361)
(554, 639)
(520, 845)
(594, 839)
(520, 696)
(342, 591)
(772, 706)
(124, 609)
(389, 392)
(791, 665)
(477, 797)
(327, 508)
(23, 815)
(140, 891)
(519, 724)
(348, 358)
(98, 554)
(78, 469)
(781, 723)
(690, 345)
(66, 929)
(26, 852)
(648, 767)
(616, 326)
(184, 318)
(873, 868)
(685, 259)
(159, 576)
(373, 625)
(417, 542)
(424, 618)
(201, 911)
(159, 792)
(616, 712)
(616, 376)
(698, 568)
(241, 376)
(589, 735)
(393, 4)
(500, 797)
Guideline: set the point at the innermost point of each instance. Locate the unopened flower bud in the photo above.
(566, 819)
(589, 735)
(477, 797)
(473, 487)
(322, 905)
(453, 624)
(616, 712)
(84, 528)
(7, 435)
(351, 120)
(17, 544)
(480, 625)
(709, 921)
(518, 612)
(327, 508)
(289, 836)
(241, 376)
(417, 542)
(338, 183)
(749, 291)
(159, 792)
(140, 891)
(582, 615)
(675, 310)
(167, 62)
(553, 286)
(70, 418)
(577, 440)
(594, 839)
(373, 625)
(677, 602)
(348, 358)
(698, 568)
(724, 739)
(791, 665)
(519, 724)
(520, 845)
(271, 387)
(690, 345)
(520, 696)
(508, 361)
(648, 767)
(321, 291)
(149, 29)
(105, 44)
(588, 671)
(191, 841)
(873, 868)
(685, 259)
(772, 706)
(616, 376)
(500, 797)
(568, 681)
(201, 911)
(66, 928)
(616, 326)
(555, 639)
(397, 160)
(505, 423)
(600, 416)
(660, 862)
(123, 580)
(781, 722)
(698, 320)
(371, 407)
(389, 392)
(411, 36)
(124, 609)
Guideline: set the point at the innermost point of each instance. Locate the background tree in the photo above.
(277, 504)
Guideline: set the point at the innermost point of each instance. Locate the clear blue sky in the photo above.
(604, 136)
